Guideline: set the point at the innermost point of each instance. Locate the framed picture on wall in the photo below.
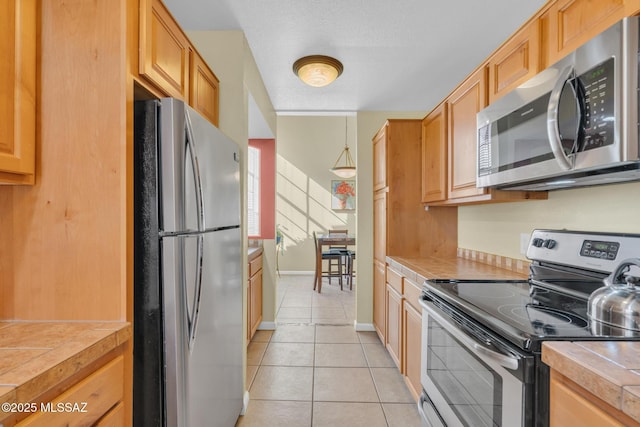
(343, 195)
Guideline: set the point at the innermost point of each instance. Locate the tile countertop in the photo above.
(254, 251)
(609, 370)
(420, 269)
(36, 356)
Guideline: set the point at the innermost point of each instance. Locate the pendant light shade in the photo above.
(348, 168)
(317, 70)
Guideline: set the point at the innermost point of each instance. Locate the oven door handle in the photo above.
(431, 414)
(508, 361)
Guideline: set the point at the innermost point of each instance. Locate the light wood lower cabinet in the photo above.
(411, 337)
(571, 405)
(403, 321)
(95, 399)
(379, 299)
(393, 340)
(254, 297)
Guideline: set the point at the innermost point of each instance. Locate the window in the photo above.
(261, 189)
(253, 190)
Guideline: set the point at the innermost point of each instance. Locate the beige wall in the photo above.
(307, 147)
(496, 228)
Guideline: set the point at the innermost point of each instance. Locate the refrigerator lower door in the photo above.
(214, 362)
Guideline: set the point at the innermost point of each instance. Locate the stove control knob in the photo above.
(550, 244)
(537, 242)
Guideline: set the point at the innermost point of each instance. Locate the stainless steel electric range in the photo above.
(482, 340)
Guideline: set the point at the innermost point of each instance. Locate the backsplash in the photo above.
(512, 264)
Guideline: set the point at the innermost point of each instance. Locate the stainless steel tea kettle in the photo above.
(615, 308)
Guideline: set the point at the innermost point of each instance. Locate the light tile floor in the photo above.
(316, 370)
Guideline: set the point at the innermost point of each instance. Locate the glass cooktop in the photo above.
(520, 311)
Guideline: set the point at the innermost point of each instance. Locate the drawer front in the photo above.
(255, 265)
(101, 391)
(394, 279)
(412, 293)
(113, 418)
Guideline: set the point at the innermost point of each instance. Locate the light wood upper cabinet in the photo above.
(463, 105)
(434, 155)
(515, 62)
(380, 226)
(164, 50)
(18, 91)
(380, 159)
(573, 22)
(204, 86)
(169, 61)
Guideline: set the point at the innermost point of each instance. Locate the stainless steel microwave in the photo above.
(573, 124)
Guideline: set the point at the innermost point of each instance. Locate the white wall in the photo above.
(496, 228)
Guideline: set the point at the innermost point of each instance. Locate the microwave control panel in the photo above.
(598, 249)
(598, 86)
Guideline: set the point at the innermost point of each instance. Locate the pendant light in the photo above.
(348, 169)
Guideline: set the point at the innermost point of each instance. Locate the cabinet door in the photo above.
(515, 62)
(434, 155)
(380, 159)
(164, 50)
(18, 91)
(411, 348)
(204, 89)
(380, 226)
(463, 106)
(573, 22)
(248, 311)
(569, 408)
(256, 302)
(379, 304)
(394, 325)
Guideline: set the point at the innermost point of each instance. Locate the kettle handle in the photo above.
(620, 270)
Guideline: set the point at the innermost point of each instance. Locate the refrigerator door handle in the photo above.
(190, 147)
(193, 322)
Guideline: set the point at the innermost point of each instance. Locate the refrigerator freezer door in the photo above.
(180, 196)
(219, 171)
(214, 362)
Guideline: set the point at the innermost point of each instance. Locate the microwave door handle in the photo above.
(553, 130)
(505, 360)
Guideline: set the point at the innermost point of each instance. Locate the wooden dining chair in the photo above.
(333, 265)
(330, 255)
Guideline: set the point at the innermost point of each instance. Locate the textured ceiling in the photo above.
(403, 55)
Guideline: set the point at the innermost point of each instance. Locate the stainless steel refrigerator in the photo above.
(187, 270)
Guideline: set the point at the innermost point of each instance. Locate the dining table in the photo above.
(330, 239)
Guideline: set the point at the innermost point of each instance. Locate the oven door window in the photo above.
(470, 387)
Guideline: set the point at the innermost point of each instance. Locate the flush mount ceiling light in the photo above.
(317, 70)
(348, 169)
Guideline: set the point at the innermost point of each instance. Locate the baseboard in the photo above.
(267, 326)
(364, 327)
(297, 273)
(245, 402)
